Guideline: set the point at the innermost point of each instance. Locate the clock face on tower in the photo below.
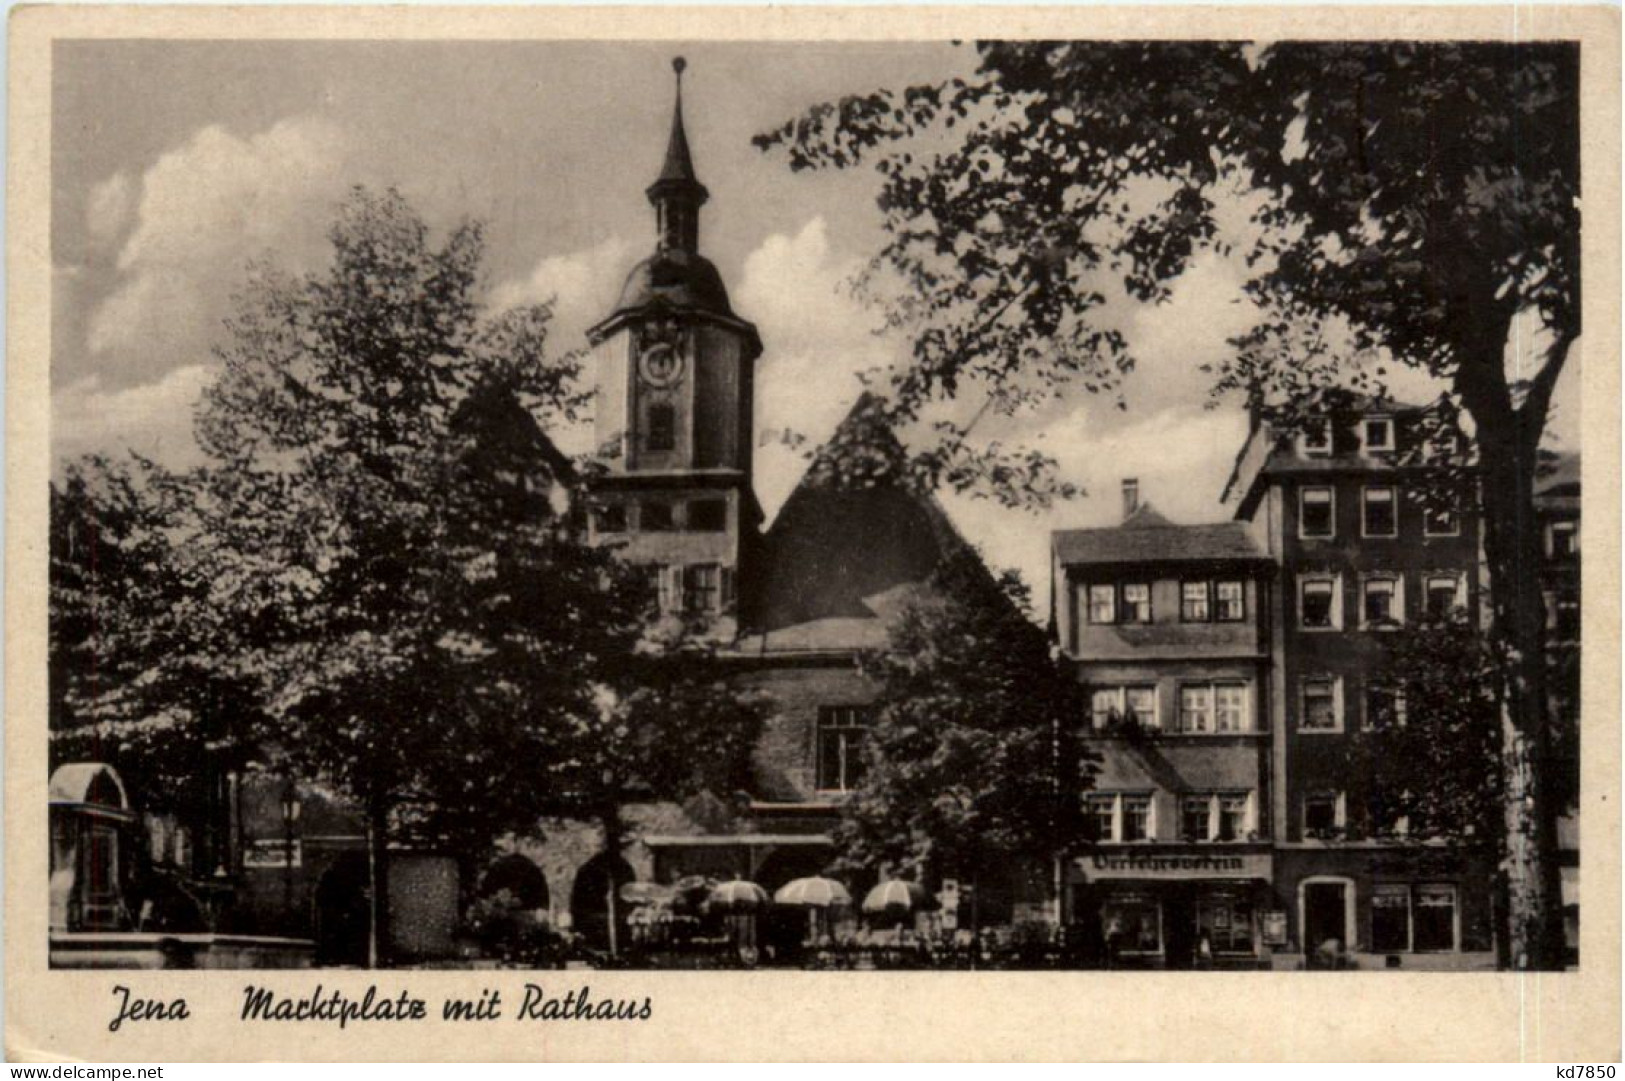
(661, 366)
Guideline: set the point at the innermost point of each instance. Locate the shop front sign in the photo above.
(1173, 865)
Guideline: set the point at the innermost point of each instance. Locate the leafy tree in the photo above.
(670, 726)
(973, 761)
(392, 536)
(1430, 757)
(1413, 198)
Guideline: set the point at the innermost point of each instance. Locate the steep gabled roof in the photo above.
(850, 545)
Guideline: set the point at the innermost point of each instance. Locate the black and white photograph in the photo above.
(940, 506)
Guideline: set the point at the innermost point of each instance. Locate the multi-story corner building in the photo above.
(1359, 552)
(1170, 626)
(1557, 502)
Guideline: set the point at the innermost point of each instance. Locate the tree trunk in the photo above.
(1512, 548)
(378, 884)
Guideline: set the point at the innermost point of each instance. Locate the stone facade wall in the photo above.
(786, 758)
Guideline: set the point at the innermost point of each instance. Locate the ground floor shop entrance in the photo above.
(1172, 908)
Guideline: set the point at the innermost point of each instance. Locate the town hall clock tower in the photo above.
(675, 370)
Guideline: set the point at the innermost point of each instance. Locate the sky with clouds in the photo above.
(176, 163)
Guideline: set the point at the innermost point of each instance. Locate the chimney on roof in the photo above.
(1131, 497)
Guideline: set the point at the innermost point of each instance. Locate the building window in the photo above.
(1384, 707)
(1105, 705)
(1231, 602)
(1102, 817)
(1563, 540)
(1320, 711)
(1378, 435)
(1382, 601)
(1196, 708)
(1379, 512)
(1193, 602)
(1135, 703)
(656, 518)
(1439, 519)
(702, 588)
(1322, 814)
(1137, 603)
(1315, 506)
(1315, 441)
(1102, 604)
(612, 518)
(1117, 817)
(1142, 705)
(1131, 923)
(665, 585)
(1136, 818)
(708, 515)
(1318, 603)
(1434, 919)
(1226, 922)
(1391, 919)
(662, 427)
(1233, 816)
(841, 734)
(1444, 595)
(1230, 708)
(1195, 817)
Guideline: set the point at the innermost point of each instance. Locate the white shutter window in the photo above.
(1342, 810)
(671, 588)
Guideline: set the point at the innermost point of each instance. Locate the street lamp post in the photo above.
(290, 815)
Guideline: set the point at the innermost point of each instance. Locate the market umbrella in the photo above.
(816, 895)
(738, 896)
(813, 893)
(897, 898)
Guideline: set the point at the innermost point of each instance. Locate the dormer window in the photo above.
(1378, 435)
(1315, 440)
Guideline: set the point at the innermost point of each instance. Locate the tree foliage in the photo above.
(138, 673)
(972, 760)
(1434, 762)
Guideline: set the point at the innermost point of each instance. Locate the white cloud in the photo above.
(1181, 456)
(584, 283)
(154, 419)
(204, 210)
(110, 208)
(815, 340)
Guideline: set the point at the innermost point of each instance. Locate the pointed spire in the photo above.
(677, 194)
(679, 165)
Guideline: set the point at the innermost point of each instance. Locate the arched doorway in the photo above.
(343, 914)
(591, 903)
(522, 879)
